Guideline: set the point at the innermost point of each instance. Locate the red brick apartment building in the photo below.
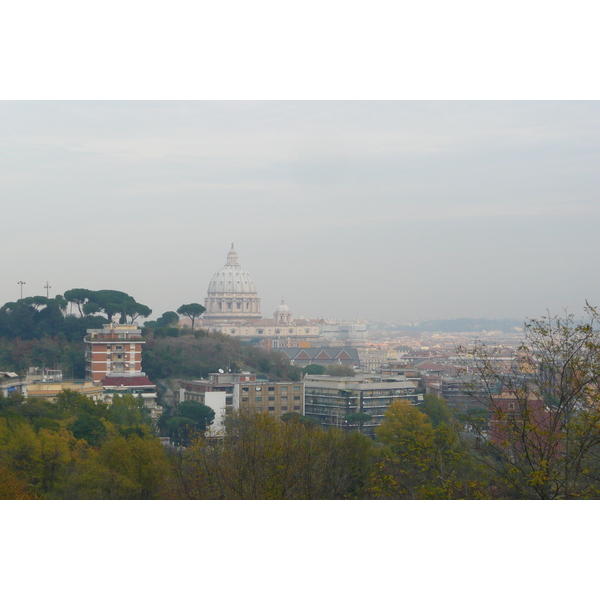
(113, 349)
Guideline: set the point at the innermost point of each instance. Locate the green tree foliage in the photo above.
(135, 310)
(130, 416)
(190, 419)
(308, 421)
(168, 319)
(45, 322)
(436, 409)
(191, 356)
(32, 317)
(73, 403)
(164, 326)
(179, 429)
(18, 355)
(357, 419)
(314, 370)
(339, 371)
(89, 428)
(191, 311)
(199, 413)
(113, 302)
(78, 297)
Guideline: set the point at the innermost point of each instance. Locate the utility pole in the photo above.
(47, 290)
(21, 283)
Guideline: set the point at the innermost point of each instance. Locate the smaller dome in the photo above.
(283, 308)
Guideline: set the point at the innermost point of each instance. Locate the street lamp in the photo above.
(21, 283)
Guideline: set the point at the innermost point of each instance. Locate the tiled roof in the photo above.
(344, 355)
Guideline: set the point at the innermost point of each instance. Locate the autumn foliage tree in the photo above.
(265, 458)
(420, 461)
(545, 410)
(77, 449)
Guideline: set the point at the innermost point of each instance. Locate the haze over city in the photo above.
(380, 210)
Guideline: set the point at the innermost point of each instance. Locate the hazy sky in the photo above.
(383, 210)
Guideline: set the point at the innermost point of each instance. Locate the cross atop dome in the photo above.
(232, 257)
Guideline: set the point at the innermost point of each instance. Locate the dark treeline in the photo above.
(36, 317)
(18, 355)
(201, 353)
(48, 332)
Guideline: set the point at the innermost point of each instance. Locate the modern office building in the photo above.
(242, 391)
(11, 382)
(331, 399)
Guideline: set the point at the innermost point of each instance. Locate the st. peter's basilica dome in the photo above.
(232, 293)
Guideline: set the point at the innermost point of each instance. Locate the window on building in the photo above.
(296, 388)
(271, 388)
(296, 408)
(228, 401)
(271, 398)
(284, 398)
(244, 399)
(283, 408)
(296, 397)
(245, 389)
(258, 399)
(271, 408)
(511, 406)
(284, 388)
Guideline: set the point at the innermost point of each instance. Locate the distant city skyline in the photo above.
(380, 210)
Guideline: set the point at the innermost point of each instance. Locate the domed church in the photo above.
(231, 294)
(233, 308)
